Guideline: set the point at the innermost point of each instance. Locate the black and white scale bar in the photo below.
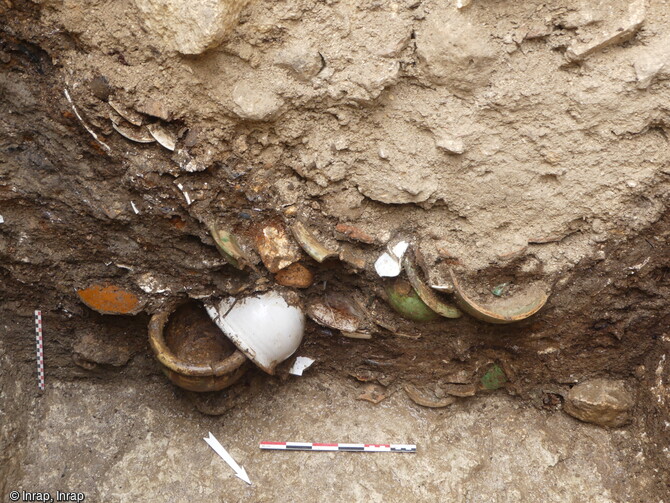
(39, 342)
(312, 446)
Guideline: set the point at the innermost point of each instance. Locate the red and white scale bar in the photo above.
(311, 446)
(40, 349)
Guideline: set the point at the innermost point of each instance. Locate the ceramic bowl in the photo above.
(264, 327)
(193, 376)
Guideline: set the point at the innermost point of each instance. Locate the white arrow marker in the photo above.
(218, 448)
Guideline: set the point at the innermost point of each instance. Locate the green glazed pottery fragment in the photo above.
(407, 303)
(494, 378)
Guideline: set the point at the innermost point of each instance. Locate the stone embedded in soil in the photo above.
(101, 350)
(254, 101)
(296, 276)
(450, 144)
(276, 248)
(155, 108)
(600, 401)
(653, 64)
(110, 299)
(625, 30)
(190, 27)
(454, 52)
(302, 59)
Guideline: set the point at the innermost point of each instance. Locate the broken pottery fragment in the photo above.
(389, 263)
(508, 310)
(425, 293)
(600, 401)
(373, 393)
(340, 313)
(228, 246)
(192, 351)
(300, 364)
(295, 276)
(110, 299)
(500, 289)
(357, 335)
(132, 133)
(264, 327)
(125, 113)
(310, 244)
(190, 27)
(162, 136)
(405, 301)
(353, 257)
(626, 30)
(427, 399)
(276, 249)
(460, 390)
(354, 233)
(494, 378)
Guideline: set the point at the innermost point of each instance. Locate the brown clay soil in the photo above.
(507, 162)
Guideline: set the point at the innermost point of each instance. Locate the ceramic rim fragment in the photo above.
(420, 399)
(162, 136)
(310, 244)
(129, 115)
(138, 135)
(356, 335)
(424, 291)
(482, 313)
(227, 245)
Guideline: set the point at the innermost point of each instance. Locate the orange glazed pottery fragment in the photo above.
(110, 299)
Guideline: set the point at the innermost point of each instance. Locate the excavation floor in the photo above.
(143, 442)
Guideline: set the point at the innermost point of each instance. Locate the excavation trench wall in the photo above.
(487, 135)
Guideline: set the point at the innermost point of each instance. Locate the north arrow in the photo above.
(218, 448)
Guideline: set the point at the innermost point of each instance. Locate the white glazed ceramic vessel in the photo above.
(263, 327)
